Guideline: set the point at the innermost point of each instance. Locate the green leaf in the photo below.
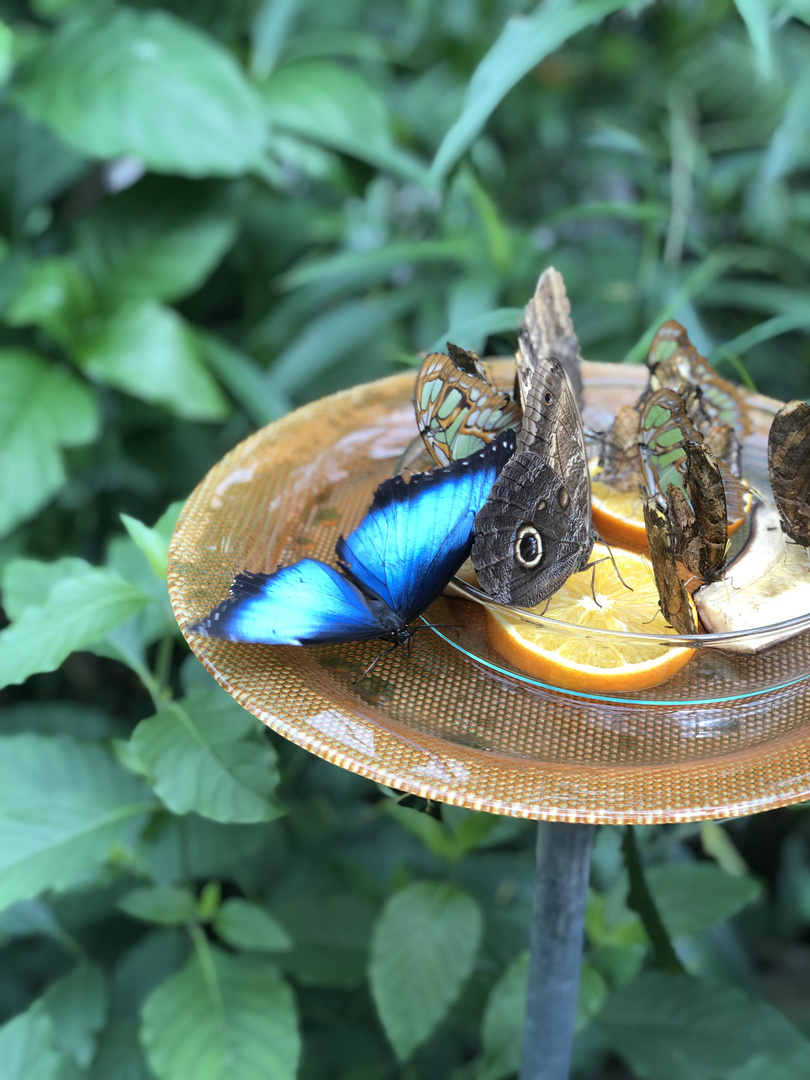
(6, 49)
(431, 832)
(154, 542)
(25, 1047)
(77, 613)
(674, 1027)
(422, 952)
(693, 895)
(120, 1055)
(222, 1018)
(500, 321)
(77, 1005)
(42, 409)
(337, 107)
(330, 929)
(756, 14)
(641, 900)
(167, 904)
(30, 918)
(248, 926)
(54, 294)
(157, 241)
(242, 377)
(64, 807)
(328, 337)
(505, 1015)
(790, 1064)
(206, 753)
(504, 1018)
(146, 84)
(34, 167)
(29, 582)
(524, 41)
(148, 351)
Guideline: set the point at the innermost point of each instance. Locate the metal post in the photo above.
(561, 889)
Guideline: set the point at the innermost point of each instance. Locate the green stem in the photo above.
(163, 665)
(641, 901)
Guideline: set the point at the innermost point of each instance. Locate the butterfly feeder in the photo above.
(446, 718)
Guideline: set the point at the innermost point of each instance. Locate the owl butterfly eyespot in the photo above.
(789, 469)
(548, 330)
(457, 411)
(684, 478)
(673, 599)
(534, 530)
(674, 362)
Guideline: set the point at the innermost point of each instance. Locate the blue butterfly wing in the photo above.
(308, 601)
(417, 533)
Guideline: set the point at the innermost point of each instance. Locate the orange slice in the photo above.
(573, 659)
(618, 516)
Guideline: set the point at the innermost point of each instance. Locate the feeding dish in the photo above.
(449, 719)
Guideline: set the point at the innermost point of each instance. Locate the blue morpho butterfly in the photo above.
(415, 536)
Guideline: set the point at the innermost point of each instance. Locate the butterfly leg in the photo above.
(374, 662)
(616, 568)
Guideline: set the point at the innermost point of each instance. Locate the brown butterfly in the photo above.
(548, 330)
(619, 456)
(534, 530)
(673, 599)
(789, 469)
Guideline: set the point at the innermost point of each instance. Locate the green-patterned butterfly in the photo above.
(684, 478)
(674, 362)
(458, 412)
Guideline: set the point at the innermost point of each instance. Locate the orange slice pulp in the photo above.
(618, 516)
(573, 659)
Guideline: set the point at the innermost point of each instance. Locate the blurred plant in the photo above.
(209, 214)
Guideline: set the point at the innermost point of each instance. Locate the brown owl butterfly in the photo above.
(534, 530)
(684, 478)
(457, 411)
(548, 330)
(673, 599)
(789, 469)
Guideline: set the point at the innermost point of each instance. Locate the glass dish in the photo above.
(449, 719)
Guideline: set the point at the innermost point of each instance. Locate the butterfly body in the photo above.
(789, 469)
(414, 537)
(535, 528)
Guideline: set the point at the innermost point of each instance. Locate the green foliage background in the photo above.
(210, 213)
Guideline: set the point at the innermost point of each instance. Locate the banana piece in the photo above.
(768, 583)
